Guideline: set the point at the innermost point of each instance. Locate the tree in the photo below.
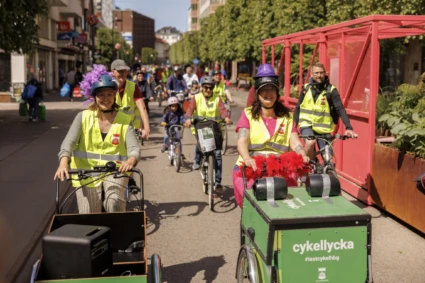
(18, 28)
(149, 55)
(107, 38)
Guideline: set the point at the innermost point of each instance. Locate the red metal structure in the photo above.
(350, 52)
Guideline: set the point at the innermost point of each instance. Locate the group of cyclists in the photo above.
(107, 130)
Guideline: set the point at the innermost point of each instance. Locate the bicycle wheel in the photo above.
(211, 180)
(177, 156)
(224, 146)
(247, 271)
(170, 154)
(204, 175)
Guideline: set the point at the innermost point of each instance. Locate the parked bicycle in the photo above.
(327, 166)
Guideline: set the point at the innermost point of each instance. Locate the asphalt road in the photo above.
(196, 245)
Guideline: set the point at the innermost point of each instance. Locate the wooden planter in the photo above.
(392, 187)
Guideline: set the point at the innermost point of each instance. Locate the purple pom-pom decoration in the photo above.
(90, 78)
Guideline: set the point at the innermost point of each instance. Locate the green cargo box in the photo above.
(126, 228)
(303, 239)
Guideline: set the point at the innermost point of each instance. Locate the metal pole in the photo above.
(93, 32)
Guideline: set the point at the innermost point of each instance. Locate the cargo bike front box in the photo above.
(304, 239)
(127, 238)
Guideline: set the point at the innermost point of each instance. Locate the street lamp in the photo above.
(114, 21)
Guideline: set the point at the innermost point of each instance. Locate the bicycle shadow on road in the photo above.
(186, 271)
(226, 202)
(155, 212)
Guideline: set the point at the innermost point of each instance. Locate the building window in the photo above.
(194, 20)
(194, 7)
(43, 24)
(53, 30)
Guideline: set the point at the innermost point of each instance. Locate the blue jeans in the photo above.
(218, 162)
(167, 138)
(308, 131)
(33, 108)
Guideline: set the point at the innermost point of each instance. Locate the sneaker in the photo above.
(195, 166)
(164, 148)
(218, 188)
(34, 119)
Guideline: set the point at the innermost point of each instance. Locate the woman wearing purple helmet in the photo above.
(264, 128)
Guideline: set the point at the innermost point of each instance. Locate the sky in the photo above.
(164, 12)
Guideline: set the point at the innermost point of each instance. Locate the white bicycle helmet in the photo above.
(173, 100)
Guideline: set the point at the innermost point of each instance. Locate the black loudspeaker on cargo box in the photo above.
(77, 251)
(320, 185)
(270, 188)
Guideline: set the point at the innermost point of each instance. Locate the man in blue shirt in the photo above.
(176, 82)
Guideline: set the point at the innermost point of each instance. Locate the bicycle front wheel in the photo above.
(211, 181)
(224, 146)
(177, 156)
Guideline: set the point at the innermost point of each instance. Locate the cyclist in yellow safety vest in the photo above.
(99, 135)
(220, 88)
(264, 128)
(210, 107)
(130, 99)
(318, 109)
(165, 74)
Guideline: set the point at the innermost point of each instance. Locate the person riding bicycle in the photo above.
(173, 115)
(220, 87)
(145, 89)
(98, 135)
(165, 74)
(207, 106)
(264, 128)
(194, 89)
(318, 109)
(176, 82)
(129, 98)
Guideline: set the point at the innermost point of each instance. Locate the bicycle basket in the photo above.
(208, 135)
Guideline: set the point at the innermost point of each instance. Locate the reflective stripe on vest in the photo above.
(206, 109)
(92, 151)
(316, 114)
(219, 89)
(260, 141)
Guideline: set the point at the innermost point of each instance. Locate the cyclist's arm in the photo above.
(296, 145)
(223, 111)
(339, 108)
(191, 108)
(229, 95)
(132, 144)
(297, 108)
(144, 114)
(169, 83)
(71, 138)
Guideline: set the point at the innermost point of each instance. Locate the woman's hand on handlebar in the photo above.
(228, 121)
(306, 159)
(188, 123)
(351, 134)
(249, 162)
(62, 172)
(127, 165)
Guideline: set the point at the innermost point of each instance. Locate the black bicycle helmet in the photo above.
(265, 76)
(207, 80)
(105, 81)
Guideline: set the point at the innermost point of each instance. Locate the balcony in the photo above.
(59, 3)
(74, 9)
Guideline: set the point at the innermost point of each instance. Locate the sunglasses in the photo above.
(208, 88)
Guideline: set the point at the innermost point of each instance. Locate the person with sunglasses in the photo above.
(205, 105)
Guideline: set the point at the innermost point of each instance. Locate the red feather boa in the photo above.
(288, 165)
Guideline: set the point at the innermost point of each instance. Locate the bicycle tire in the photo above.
(247, 270)
(204, 175)
(224, 146)
(171, 155)
(211, 181)
(177, 156)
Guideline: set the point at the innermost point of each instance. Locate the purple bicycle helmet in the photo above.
(265, 76)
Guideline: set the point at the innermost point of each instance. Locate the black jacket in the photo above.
(334, 100)
(39, 92)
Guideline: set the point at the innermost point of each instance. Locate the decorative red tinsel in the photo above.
(288, 165)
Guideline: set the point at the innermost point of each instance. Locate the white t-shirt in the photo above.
(189, 80)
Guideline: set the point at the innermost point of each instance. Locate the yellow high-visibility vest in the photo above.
(92, 151)
(316, 114)
(260, 141)
(127, 104)
(206, 109)
(219, 89)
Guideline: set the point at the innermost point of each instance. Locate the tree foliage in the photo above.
(106, 47)
(18, 28)
(149, 55)
(235, 31)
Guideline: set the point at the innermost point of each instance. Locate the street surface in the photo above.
(195, 244)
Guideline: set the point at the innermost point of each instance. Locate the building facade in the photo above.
(170, 34)
(64, 44)
(193, 20)
(104, 10)
(137, 30)
(207, 7)
(163, 48)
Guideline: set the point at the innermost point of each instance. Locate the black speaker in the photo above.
(77, 251)
(274, 187)
(319, 185)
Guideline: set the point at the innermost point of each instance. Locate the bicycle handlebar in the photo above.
(110, 167)
(327, 137)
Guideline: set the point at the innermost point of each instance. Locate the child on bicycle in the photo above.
(194, 89)
(173, 115)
